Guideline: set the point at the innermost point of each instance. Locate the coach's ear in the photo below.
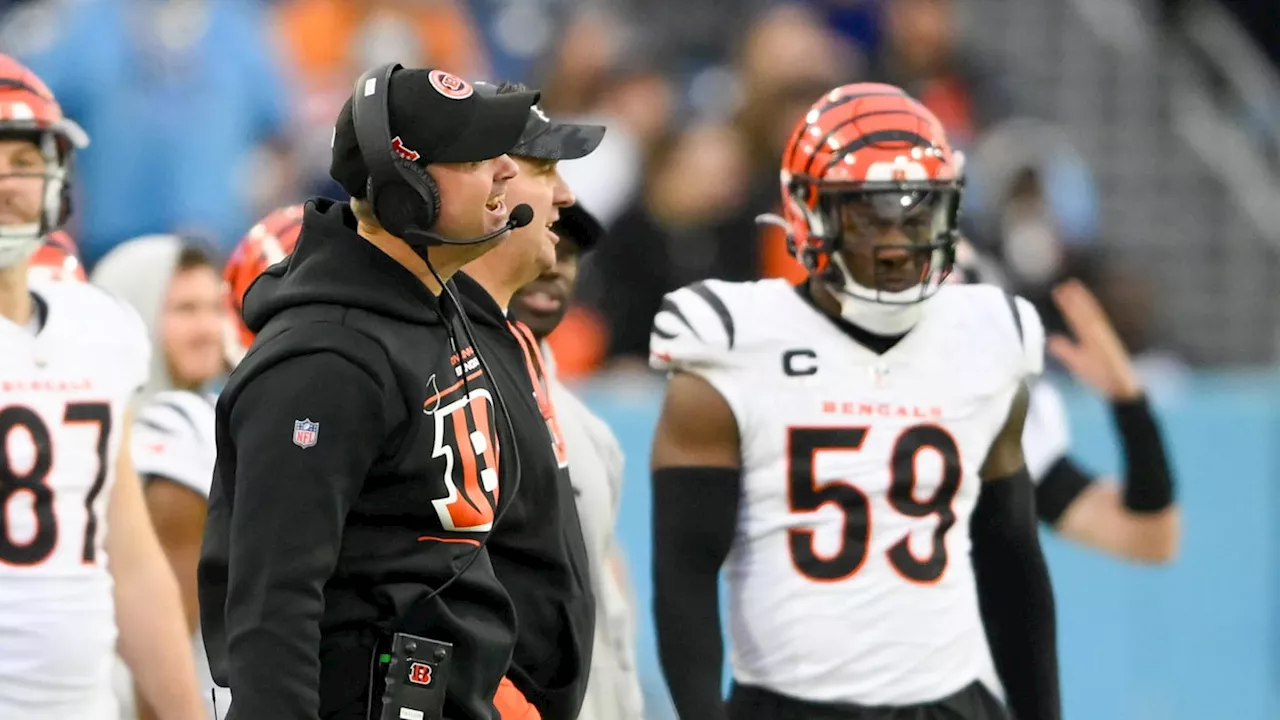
(1005, 457)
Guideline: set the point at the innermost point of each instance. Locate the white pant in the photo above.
(96, 704)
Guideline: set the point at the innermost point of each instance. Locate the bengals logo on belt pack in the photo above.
(420, 673)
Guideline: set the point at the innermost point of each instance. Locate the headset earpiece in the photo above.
(403, 195)
(427, 212)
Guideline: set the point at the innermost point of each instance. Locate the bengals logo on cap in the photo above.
(450, 85)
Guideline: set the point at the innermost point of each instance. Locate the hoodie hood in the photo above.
(332, 264)
(139, 272)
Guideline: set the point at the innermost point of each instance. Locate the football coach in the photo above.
(362, 447)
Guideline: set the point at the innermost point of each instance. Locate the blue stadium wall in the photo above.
(1195, 640)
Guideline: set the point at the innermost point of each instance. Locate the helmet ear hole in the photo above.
(800, 189)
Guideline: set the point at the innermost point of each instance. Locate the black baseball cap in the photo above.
(578, 225)
(546, 139)
(435, 117)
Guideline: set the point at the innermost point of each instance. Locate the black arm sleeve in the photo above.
(288, 511)
(1016, 597)
(1060, 487)
(1148, 484)
(695, 516)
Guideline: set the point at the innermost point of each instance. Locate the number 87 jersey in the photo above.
(850, 579)
(63, 394)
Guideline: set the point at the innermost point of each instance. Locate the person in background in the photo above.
(174, 285)
(596, 470)
(538, 549)
(1140, 521)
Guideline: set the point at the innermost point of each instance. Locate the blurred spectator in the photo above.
(185, 103)
(787, 61)
(858, 21)
(601, 73)
(1031, 202)
(518, 32)
(673, 234)
(923, 53)
(332, 42)
(173, 284)
(698, 32)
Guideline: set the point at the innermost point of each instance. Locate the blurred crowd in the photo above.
(206, 114)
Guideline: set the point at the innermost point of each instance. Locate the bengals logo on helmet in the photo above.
(864, 137)
(267, 243)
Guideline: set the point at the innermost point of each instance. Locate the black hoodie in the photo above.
(537, 549)
(357, 471)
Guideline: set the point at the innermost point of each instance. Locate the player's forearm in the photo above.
(695, 515)
(154, 640)
(690, 649)
(1016, 597)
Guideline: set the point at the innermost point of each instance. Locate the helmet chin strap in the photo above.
(18, 242)
(859, 306)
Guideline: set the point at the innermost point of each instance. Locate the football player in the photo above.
(1139, 522)
(78, 556)
(850, 451)
(174, 285)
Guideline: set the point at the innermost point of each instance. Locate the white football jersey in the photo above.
(64, 391)
(173, 438)
(850, 577)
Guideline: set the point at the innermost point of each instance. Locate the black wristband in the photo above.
(1148, 482)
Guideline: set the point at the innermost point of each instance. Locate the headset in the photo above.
(404, 196)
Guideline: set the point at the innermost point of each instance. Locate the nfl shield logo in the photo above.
(305, 433)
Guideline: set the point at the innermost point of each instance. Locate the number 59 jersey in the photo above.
(850, 578)
(63, 394)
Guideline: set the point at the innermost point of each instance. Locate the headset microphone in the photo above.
(521, 215)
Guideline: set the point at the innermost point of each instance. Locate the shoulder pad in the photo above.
(103, 317)
(174, 438)
(1008, 321)
(693, 327)
(1046, 438)
(179, 413)
(1030, 332)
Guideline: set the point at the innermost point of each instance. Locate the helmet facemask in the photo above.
(19, 241)
(888, 247)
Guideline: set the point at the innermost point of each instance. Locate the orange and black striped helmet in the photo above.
(865, 159)
(29, 111)
(266, 243)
